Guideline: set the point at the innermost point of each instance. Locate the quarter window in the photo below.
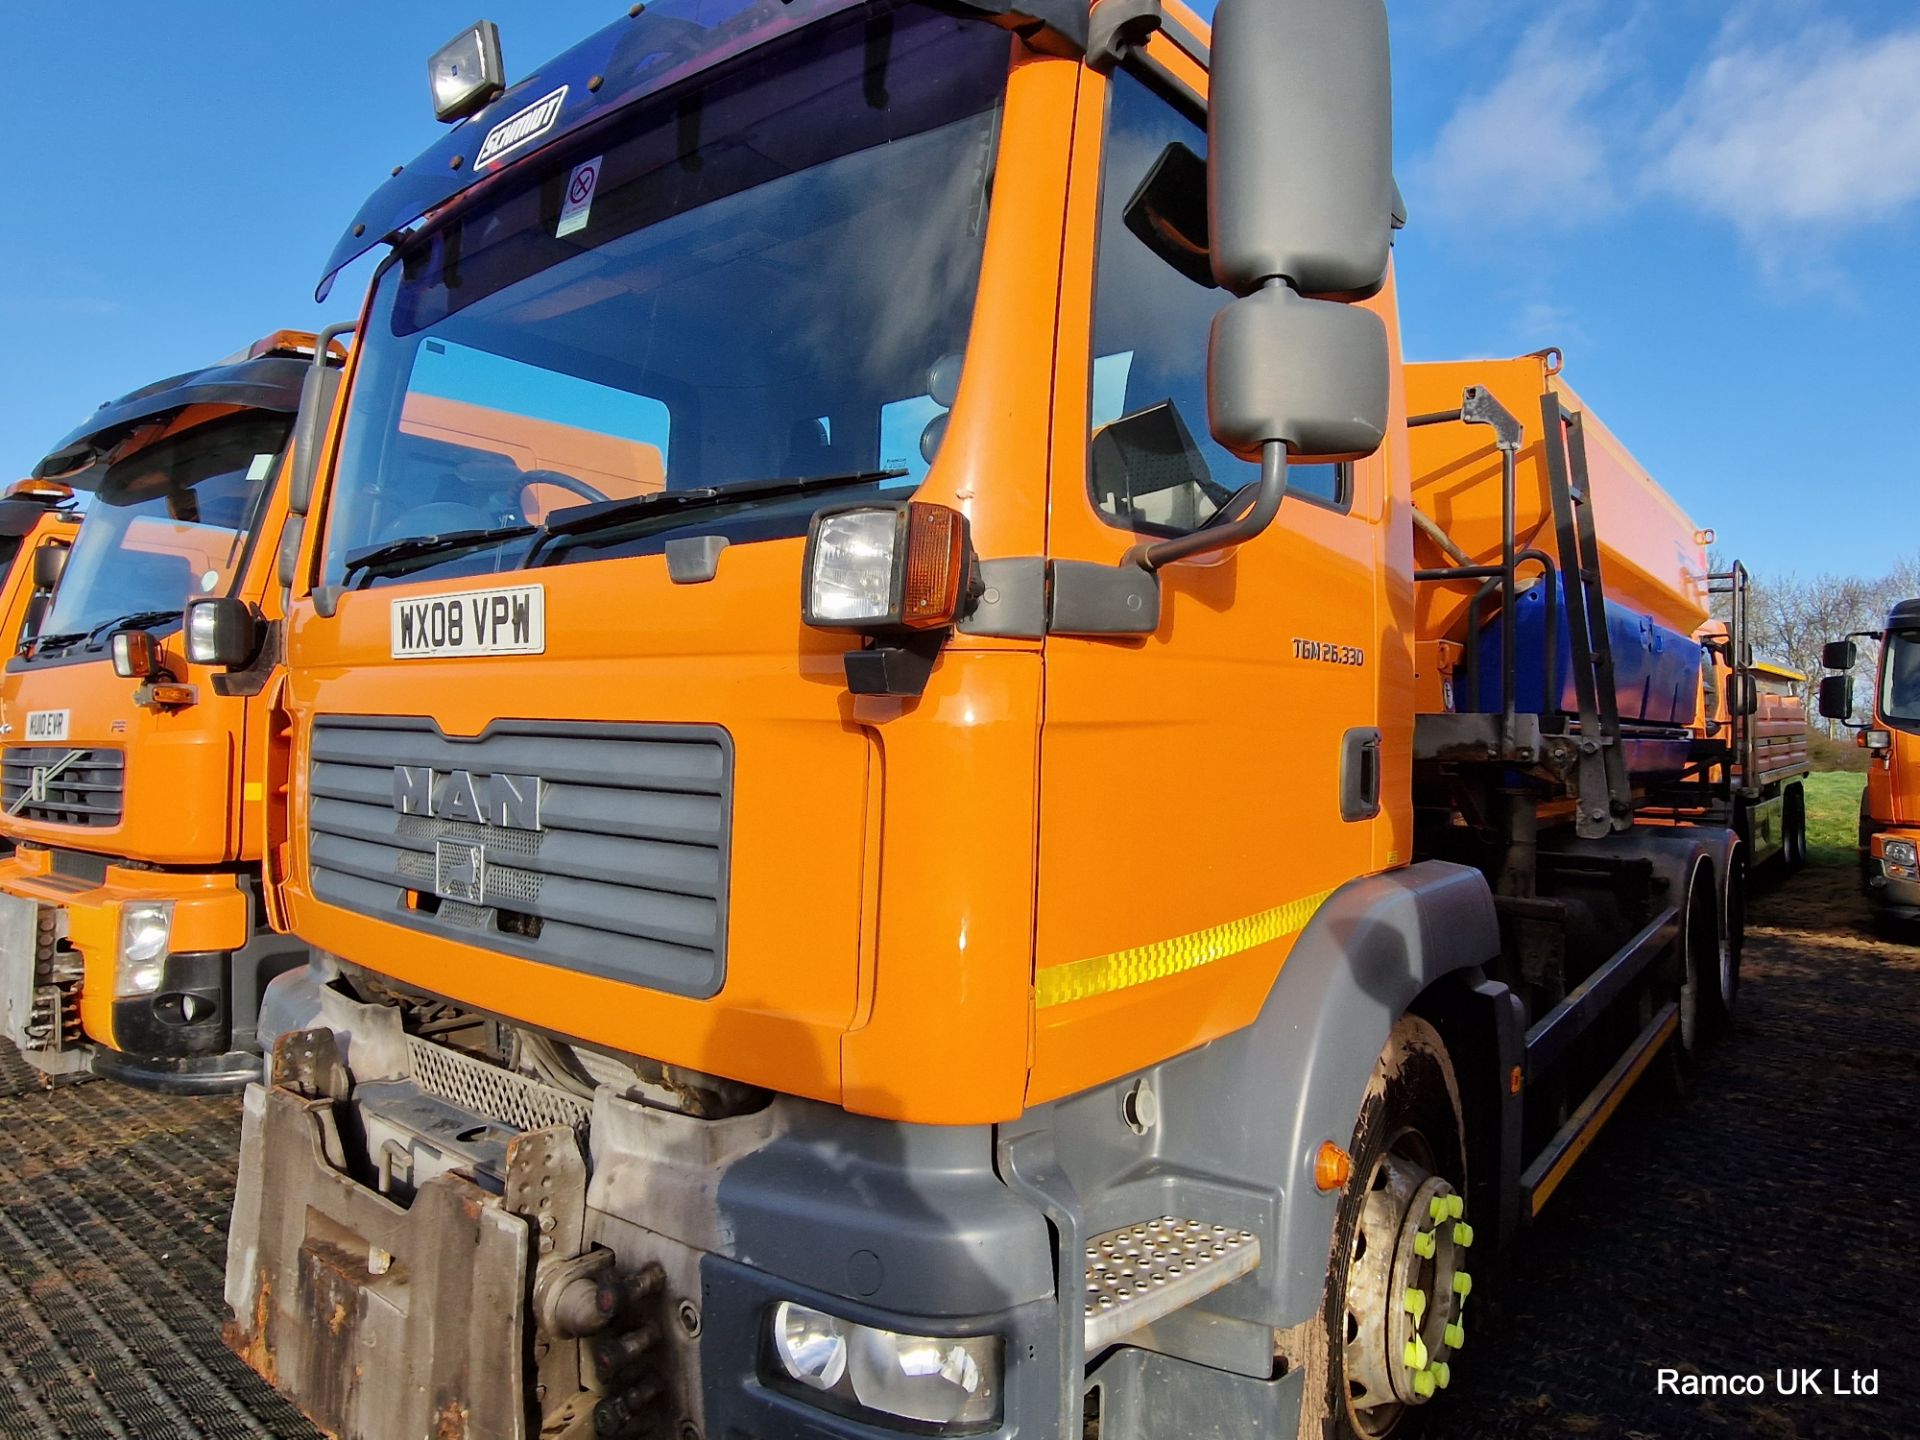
(1153, 464)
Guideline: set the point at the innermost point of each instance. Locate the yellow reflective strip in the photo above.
(1083, 979)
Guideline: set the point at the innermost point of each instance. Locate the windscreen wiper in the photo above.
(604, 514)
(414, 547)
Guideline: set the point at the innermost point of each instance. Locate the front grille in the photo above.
(59, 785)
(488, 1090)
(622, 872)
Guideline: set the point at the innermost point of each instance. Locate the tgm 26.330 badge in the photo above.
(510, 620)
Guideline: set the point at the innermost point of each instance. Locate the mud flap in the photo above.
(380, 1323)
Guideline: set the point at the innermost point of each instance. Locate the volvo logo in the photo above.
(510, 802)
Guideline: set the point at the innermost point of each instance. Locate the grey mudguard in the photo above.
(1241, 1118)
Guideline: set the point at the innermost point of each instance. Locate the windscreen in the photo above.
(764, 278)
(1900, 677)
(169, 522)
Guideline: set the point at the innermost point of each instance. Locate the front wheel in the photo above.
(1398, 1282)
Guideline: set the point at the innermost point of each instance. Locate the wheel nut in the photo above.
(1456, 1207)
(1462, 1234)
(1423, 1384)
(1442, 1374)
(1424, 1244)
(1456, 1336)
(1462, 1284)
(1416, 1303)
(1415, 1354)
(1437, 1209)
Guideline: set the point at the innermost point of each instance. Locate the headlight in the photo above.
(953, 1383)
(1901, 852)
(886, 567)
(145, 928)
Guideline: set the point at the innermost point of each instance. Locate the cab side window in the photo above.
(1153, 464)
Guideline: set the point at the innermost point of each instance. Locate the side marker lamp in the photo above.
(467, 73)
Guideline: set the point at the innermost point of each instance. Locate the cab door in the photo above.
(1204, 788)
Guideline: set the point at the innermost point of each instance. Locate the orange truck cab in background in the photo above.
(1890, 806)
(919, 883)
(35, 515)
(133, 937)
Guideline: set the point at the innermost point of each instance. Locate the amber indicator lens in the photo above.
(136, 655)
(936, 563)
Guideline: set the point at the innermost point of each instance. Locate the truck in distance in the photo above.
(1890, 805)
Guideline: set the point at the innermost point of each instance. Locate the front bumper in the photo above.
(58, 953)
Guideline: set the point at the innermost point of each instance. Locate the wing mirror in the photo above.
(49, 564)
(1301, 206)
(1301, 203)
(1839, 655)
(1836, 697)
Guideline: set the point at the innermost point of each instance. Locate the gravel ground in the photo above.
(1769, 1224)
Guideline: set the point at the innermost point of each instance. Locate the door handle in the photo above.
(1360, 774)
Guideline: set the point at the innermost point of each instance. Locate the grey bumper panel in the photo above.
(375, 1320)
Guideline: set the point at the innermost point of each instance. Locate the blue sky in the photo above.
(1711, 205)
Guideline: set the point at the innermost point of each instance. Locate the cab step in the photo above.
(1142, 1273)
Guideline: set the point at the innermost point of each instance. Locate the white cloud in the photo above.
(1533, 147)
(1816, 131)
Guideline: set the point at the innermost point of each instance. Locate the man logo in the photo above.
(521, 127)
(37, 790)
(460, 872)
(510, 802)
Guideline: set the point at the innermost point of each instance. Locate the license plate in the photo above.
(48, 724)
(511, 620)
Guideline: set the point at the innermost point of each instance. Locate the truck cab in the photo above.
(849, 757)
(1890, 806)
(135, 941)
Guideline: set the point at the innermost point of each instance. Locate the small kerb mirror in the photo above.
(1839, 655)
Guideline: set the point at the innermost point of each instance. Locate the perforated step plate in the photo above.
(1142, 1273)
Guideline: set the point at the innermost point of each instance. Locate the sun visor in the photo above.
(270, 383)
(628, 60)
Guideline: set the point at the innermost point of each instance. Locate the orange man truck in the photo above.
(1890, 806)
(940, 898)
(133, 939)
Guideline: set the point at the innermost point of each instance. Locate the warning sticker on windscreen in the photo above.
(580, 187)
(508, 621)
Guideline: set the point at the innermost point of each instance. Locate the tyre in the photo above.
(1380, 1355)
(1793, 849)
(1692, 982)
(1722, 998)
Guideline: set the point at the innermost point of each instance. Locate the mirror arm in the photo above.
(1266, 505)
